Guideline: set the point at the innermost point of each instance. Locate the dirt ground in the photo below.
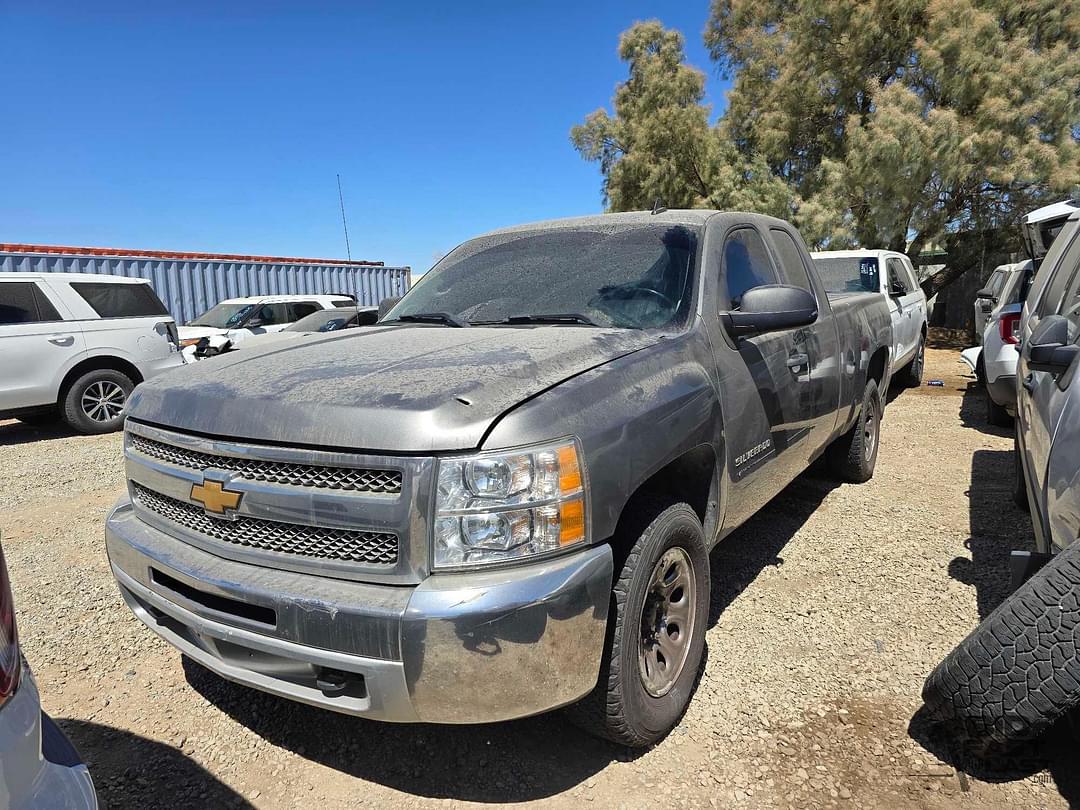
(828, 610)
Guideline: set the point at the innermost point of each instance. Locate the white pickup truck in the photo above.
(891, 274)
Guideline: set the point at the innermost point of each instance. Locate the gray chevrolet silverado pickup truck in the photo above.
(501, 499)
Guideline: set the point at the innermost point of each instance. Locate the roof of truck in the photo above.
(852, 254)
(674, 216)
(1053, 211)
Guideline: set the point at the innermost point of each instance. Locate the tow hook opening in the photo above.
(335, 682)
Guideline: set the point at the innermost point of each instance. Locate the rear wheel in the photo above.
(914, 372)
(656, 628)
(95, 402)
(852, 456)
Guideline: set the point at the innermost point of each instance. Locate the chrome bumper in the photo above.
(458, 648)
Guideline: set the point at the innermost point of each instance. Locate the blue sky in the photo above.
(185, 126)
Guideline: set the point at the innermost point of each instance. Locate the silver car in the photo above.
(39, 767)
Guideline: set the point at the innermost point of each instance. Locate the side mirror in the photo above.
(986, 306)
(896, 289)
(985, 292)
(387, 304)
(771, 308)
(1049, 348)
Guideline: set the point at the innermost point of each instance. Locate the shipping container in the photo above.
(191, 283)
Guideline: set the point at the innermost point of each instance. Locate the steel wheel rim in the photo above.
(668, 615)
(870, 432)
(103, 401)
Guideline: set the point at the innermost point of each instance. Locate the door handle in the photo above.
(62, 340)
(798, 360)
(1029, 382)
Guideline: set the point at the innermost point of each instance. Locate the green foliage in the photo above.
(660, 145)
(871, 122)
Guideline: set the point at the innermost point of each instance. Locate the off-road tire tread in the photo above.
(913, 376)
(1019, 670)
(996, 415)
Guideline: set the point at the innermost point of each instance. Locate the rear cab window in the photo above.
(25, 302)
(845, 274)
(120, 300)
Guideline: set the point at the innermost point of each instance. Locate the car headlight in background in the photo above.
(511, 505)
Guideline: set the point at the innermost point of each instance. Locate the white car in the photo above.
(39, 767)
(892, 275)
(74, 345)
(228, 324)
(994, 362)
(990, 297)
(326, 320)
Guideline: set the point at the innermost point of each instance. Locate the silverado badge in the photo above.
(214, 497)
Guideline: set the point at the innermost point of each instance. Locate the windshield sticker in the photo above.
(868, 274)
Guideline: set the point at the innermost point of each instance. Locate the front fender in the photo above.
(633, 416)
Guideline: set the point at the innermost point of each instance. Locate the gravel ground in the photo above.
(828, 610)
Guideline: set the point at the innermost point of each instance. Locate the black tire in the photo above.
(1019, 670)
(82, 416)
(980, 370)
(621, 708)
(852, 456)
(914, 372)
(996, 415)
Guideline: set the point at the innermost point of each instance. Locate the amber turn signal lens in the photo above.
(569, 470)
(571, 522)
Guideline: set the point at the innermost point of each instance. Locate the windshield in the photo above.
(848, 273)
(635, 277)
(223, 316)
(326, 320)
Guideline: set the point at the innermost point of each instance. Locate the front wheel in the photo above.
(656, 628)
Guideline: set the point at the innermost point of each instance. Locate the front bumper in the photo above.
(458, 648)
(39, 767)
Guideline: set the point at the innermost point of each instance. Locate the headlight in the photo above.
(508, 506)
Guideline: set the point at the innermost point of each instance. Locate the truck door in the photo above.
(903, 300)
(764, 382)
(1041, 395)
(819, 388)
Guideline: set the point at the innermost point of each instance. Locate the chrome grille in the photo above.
(352, 479)
(370, 548)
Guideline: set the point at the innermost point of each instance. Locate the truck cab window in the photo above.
(746, 265)
(899, 284)
(792, 268)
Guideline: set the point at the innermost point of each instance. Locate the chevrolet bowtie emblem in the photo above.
(214, 497)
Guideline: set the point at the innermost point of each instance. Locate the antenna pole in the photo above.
(344, 224)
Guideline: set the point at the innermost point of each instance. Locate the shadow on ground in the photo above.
(13, 432)
(130, 771)
(997, 526)
(516, 761)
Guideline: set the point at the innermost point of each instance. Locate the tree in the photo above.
(660, 146)
(879, 123)
(901, 121)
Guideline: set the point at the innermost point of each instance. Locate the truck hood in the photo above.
(413, 389)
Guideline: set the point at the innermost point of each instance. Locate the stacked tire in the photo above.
(1019, 671)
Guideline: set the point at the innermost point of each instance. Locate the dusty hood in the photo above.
(393, 388)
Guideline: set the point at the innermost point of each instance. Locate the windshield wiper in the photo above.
(560, 317)
(431, 317)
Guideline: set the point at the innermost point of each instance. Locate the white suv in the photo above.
(228, 324)
(74, 345)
